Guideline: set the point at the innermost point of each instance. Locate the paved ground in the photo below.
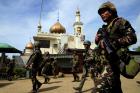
(62, 85)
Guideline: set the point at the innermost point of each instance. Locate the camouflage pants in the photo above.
(75, 73)
(107, 80)
(35, 82)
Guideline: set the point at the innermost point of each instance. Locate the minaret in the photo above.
(78, 30)
(78, 25)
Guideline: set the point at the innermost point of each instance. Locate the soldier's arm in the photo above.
(90, 57)
(30, 60)
(98, 38)
(129, 36)
(43, 63)
(77, 60)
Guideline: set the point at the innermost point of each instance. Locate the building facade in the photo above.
(56, 41)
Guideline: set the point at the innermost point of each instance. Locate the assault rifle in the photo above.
(110, 50)
(106, 41)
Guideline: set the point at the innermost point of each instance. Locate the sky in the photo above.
(19, 18)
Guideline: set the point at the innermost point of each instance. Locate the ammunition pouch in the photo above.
(124, 55)
(130, 68)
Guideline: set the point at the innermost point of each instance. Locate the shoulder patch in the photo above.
(120, 21)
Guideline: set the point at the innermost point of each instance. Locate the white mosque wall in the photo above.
(28, 51)
(63, 40)
(54, 46)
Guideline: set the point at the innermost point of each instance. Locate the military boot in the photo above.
(46, 80)
(38, 85)
(78, 80)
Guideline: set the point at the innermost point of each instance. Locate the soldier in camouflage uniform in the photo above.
(121, 35)
(45, 65)
(35, 60)
(75, 65)
(88, 60)
(55, 68)
(10, 71)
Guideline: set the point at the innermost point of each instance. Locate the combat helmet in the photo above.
(109, 6)
(46, 53)
(87, 42)
(36, 45)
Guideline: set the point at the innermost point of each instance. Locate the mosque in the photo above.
(57, 40)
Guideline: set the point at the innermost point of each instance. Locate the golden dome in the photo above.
(57, 28)
(29, 45)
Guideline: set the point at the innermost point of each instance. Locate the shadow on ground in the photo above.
(138, 82)
(46, 89)
(88, 90)
(49, 88)
(84, 90)
(54, 82)
(4, 84)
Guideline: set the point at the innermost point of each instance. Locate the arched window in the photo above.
(79, 29)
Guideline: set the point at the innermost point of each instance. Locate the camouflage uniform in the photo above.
(102, 72)
(46, 63)
(121, 35)
(55, 68)
(88, 60)
(10, 71)
(75, 65)
(35, 59)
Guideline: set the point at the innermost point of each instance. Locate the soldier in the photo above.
(88, 58)
(120, 34)
(10, 72)
(45, 66)
(55, 68)
(75, 65)
(35, 59)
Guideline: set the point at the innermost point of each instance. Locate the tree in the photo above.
(137, 49)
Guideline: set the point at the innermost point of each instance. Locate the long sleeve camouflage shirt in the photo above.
(120, 32)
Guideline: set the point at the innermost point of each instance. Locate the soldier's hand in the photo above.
(97, 38)
(101, 44)
(26, 66)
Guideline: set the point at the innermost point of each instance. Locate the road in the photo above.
(63, 85)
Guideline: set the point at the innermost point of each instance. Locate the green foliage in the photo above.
(3, 70)
(20, 72)
(138, 49)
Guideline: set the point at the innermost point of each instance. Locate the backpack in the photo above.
(131, 69)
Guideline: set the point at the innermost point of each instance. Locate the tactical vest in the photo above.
(117, 29)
